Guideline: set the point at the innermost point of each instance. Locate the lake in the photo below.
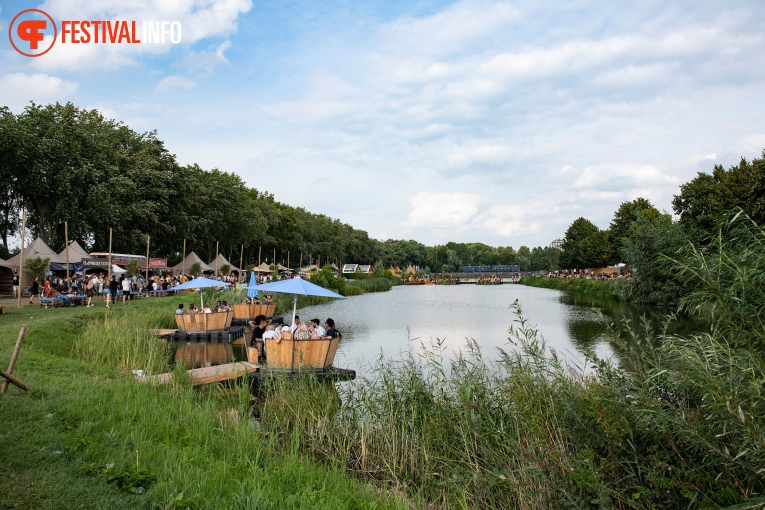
(401, 320)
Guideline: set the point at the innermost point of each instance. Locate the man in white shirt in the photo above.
(319, 328)
(126, 286)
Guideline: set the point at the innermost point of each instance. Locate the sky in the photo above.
(472, 121)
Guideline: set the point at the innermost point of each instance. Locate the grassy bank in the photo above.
(88, 436)
(606, 289)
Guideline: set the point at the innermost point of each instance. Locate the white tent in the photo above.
(117, 269)
(76, 253)
(37, 249)
(222, 262)
(191, 259)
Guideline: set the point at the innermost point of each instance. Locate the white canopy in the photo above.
(117, 269)
(191, 259)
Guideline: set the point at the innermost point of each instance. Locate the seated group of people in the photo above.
(263, 329)
(255, 301)
(220, 306)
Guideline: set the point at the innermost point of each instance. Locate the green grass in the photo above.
(89, 436)
(607, 289)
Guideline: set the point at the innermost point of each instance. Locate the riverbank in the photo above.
(606, 289)
(89, 436)
(526, 432)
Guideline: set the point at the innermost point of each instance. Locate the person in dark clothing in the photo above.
(34, 290)
(331, 331)
(113, 287)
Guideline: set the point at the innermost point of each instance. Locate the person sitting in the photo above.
(218, 307)
(302, 332)
(271, 333)
(312, 330)
(331, 331)
(248, 301)
(179, 311)
(319, 328)
(268, 300)
(56, 294)
(225, 307)
(205, 309)
(193, 308)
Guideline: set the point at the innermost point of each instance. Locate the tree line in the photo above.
(63, 163)
(66, 164)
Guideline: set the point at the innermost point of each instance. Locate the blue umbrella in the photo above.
(297, 286)
(251, 293)
(201, 283)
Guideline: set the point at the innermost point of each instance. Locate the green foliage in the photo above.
(706, 197)
(195, 269)
(727, 281)
(225, 269)
(654, 278)
(607, 289)
(37, 267)
(624, 217)
(133, 267)
(577, 248)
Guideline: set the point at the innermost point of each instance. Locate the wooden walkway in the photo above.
(207, 375)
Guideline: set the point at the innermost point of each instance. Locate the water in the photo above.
(404, 319)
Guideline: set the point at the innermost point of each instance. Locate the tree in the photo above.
(596, 250)
(225, 269)
(195, 269)
(624, 217)
(37, 266)
(707, 197)
(645, 250)
(133, 267)
(577, 232)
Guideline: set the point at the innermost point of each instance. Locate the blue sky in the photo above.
(491, 121)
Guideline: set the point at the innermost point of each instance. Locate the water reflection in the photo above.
(404, 319)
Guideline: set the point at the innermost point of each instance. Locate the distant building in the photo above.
(357, 268)
(558, 243)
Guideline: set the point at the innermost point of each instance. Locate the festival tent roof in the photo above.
(263, 268)
(37, 249)
(309, 269)
(76, 253)
(191, 259)
(282, 268)
(222, 262)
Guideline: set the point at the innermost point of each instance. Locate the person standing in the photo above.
(90, 292)
(15, 285)
(34, 290)
(113, 287)
(126, 287)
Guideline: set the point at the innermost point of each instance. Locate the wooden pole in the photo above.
(109, 274)
(183, 261)
(13, 358)
(288, 259)
(13, 380)
(148, 242)
(258, 255)
(21, 259)
(66, 240)
(301, 259)
(216, 258)
(241, 257)
(274, 256)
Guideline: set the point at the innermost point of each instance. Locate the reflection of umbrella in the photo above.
(201, 283)
(297, 286)
(251, 292)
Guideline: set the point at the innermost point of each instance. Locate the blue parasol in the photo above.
(201, 283)
(251, 293)
(296, 286)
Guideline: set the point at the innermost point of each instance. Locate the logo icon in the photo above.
(27, 32)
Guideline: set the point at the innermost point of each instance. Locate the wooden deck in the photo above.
(162, 332)
(207, 375)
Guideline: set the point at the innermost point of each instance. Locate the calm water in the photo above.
(400, 320)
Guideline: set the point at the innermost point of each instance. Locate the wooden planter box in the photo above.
(296, 354)
(204, 321)
(252, 311)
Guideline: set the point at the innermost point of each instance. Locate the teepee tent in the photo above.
(191, 259)
(76, 253)
(263, 268)
(222, 262)
(37, 249)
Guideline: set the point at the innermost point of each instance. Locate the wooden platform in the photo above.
(207, 375)
(162, 332)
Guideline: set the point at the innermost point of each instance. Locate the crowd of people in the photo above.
(265, 329)
(590, 274)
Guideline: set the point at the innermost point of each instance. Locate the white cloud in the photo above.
(174, 82)
(442, 209)
(200, 19)
(20, 88)
(207, 60)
